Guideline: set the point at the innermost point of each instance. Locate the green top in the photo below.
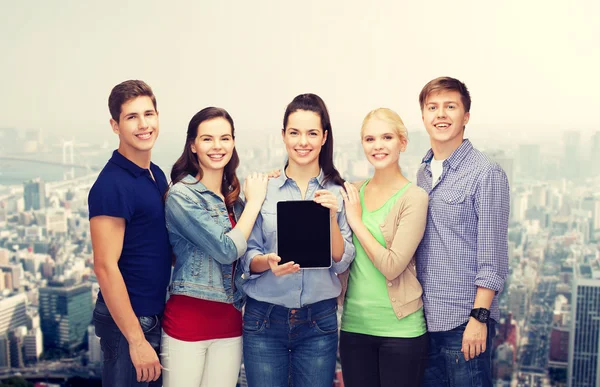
(367, 308)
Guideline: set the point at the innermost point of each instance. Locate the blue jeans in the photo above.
(117, 369)
(447, 366)
(290, 347)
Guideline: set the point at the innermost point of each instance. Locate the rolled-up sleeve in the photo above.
(349, 249)
(255, 247)
(493, 206)
(193, 222)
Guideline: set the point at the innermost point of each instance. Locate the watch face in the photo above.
(484, 314)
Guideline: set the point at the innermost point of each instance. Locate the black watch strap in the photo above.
(481, 314)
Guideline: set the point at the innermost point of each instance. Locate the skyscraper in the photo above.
(13, 312)
(34, 194)
(65, 311)
(571, 162)
(584, 359)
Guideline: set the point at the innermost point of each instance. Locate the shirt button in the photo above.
(389, 284)
(393, 300)
(399, 314)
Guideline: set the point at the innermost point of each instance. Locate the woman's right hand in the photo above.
(352, 204)
(279, 270)
(255, 187)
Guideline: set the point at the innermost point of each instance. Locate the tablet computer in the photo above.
(304, 234)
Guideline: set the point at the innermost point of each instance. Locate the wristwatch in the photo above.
(481, 314)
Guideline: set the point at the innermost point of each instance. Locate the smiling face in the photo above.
(303, 138)
(445, 118)
(214, 144)
(137, 127)
(381, 143)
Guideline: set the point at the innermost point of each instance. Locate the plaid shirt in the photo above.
(465, 244)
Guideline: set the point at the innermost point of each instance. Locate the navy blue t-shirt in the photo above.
(124, 190)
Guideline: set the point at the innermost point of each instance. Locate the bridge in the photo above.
(56, 163)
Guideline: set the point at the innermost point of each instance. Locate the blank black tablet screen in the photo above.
(304, 233)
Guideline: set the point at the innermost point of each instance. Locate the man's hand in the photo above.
(145, 361)
(474, 337)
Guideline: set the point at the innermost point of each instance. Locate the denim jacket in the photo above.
(204, 243)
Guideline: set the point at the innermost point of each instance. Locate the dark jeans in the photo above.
(447, 365)
(382, 361)
(118, 370)
(290, 347)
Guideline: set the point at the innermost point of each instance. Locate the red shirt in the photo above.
(193, 319)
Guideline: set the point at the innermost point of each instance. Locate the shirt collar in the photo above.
(283, 177)
(456, 157)
(128, 165)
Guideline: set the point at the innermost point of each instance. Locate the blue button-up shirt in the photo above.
(465, 244)
(306, 286)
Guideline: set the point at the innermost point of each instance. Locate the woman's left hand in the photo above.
(327, 199)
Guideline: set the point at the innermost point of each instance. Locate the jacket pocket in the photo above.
(197, 263)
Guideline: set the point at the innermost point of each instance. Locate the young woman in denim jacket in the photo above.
(208, 227)
(290, 322)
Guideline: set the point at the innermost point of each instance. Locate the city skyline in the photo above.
(529, 66)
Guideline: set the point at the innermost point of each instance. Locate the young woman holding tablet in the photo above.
(290, 323)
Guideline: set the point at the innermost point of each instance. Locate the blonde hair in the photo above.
(390, 117)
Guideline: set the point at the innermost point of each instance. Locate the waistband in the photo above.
(310, 310)
(103, 309)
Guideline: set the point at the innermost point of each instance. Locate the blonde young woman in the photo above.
(383, 340)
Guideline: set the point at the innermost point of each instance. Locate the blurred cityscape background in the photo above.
(549, 330)
(530, 66)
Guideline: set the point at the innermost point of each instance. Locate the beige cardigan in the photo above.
(402, 229)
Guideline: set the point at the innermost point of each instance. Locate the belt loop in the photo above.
(268, 315)
(309, 312)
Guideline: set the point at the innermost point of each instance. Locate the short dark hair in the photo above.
(126, 91)
(446, 84)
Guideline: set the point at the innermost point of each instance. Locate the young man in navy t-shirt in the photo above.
(132, 255)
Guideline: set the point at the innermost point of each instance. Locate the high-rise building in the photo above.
(517, 300)
(94, 350)
(592, 205)
(12, 276)
(33, 343)
(34, 193)
(530, 160)
(15, 338)
(65, 311)
(595, 154)
(13, 312)
(584, 357)
(4, 352)
(571, 163)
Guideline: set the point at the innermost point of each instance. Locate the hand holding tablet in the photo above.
(281, 269)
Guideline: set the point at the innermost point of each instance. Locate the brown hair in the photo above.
(313, 103)
(446, 84)
(187, 163)
(126, 91)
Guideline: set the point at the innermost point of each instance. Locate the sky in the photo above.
(531, 66)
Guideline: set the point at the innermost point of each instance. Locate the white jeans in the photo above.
(207, 363)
